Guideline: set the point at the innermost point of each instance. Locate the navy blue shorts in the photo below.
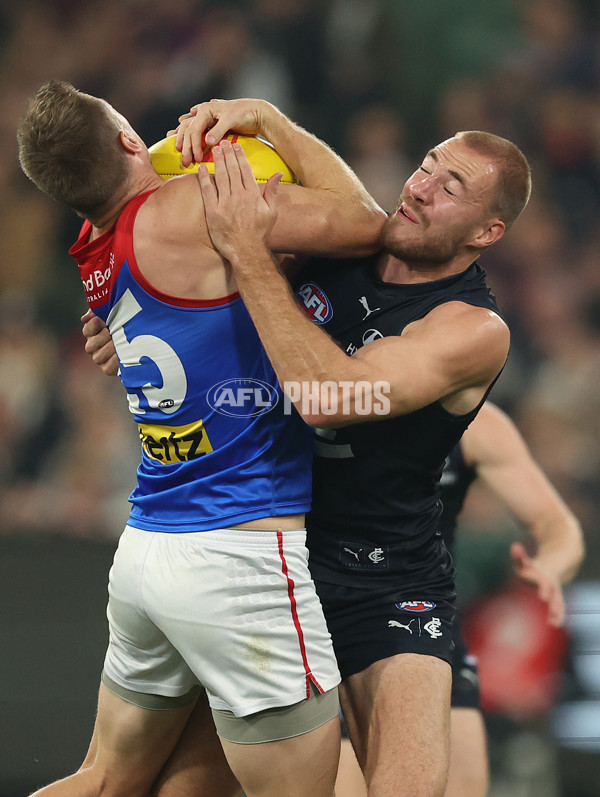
(368, 625)
(465, 675)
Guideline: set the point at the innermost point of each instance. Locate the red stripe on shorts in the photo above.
(310, 678)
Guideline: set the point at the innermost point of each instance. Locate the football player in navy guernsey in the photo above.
(390, 358)
(405, 348)
(211, 602)
(493, 452)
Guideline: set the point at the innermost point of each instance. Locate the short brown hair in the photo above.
(68, 146)
(513, 187)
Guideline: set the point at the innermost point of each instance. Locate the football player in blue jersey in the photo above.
(210, 598)
(417, 342)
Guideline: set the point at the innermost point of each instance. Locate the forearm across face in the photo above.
(331, 212)
(318, 222)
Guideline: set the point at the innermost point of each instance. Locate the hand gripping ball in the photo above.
(264, 160)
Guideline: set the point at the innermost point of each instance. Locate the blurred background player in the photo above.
(493, 451)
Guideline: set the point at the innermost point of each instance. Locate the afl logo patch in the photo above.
(416, 606)
(242, 397)
(315, 303)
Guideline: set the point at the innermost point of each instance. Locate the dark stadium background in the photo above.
(381, 81)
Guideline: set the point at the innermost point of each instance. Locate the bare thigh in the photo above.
(129, 747)
(197, 767)
(468, 775)
(350, 781)
(398, 717)
(303, 766)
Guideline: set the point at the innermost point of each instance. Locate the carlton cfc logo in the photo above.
(416, 606)
(315, 303)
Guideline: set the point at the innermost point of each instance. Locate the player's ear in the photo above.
(129, 142)
(489, 234)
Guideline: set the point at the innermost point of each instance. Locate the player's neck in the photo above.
(401, 272)
(106, 216)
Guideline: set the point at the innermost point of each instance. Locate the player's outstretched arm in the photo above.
(331, 212)
(494, 446)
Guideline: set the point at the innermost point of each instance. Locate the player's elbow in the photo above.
(352, 231)
(578, 544)
(321, 421)
(369, 228)
(315, 413)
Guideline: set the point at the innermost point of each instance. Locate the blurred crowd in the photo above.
(381, 81)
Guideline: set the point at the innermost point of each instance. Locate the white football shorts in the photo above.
(232, 610)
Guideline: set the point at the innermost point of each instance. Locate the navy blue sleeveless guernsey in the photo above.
(376, 494)
(217, 447)
(456, 479)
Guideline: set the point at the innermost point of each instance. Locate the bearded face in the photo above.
(443, 215)
(424, 243)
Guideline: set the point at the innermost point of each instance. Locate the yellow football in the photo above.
(264, 160)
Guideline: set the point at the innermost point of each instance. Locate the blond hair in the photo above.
(69, 147)
(513, 186)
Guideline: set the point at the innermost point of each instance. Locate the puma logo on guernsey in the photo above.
(365, 304)
(396, 624)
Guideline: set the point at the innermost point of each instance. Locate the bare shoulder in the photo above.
(174, 212)
(172, 246)
(492, 436)
(486, 432)
(454, 333)
(176, 200)
(464, 333)
(452, 355)
(491, 420)
(461, 315)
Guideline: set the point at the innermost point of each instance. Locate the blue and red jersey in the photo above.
(219, 444)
